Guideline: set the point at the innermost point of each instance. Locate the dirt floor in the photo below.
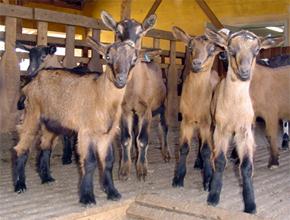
(272, 187)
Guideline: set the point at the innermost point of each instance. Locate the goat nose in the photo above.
(121, 77)
(196, 62)
(244, 71)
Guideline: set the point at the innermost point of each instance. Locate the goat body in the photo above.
(89, 106)
(269, 91)
(145, 94)
(195, 103)
(64, 103)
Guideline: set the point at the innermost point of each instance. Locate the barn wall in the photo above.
(184, 13)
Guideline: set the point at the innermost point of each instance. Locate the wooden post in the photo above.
(95, 62)
(69, 59)
(209, 13)
(9, 78)
(172, 105)
(125, 9)
(288, 29)
(153, 8)
(156, 43)
(42, 33)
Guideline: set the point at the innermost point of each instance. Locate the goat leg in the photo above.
(86, 187)
(108, 183)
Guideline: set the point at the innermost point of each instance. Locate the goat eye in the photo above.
(108, 57)
(256, 51)
(42, 57)
(211, 49)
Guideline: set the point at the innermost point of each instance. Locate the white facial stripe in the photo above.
(138, 30)
(120, 28)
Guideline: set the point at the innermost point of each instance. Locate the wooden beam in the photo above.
(16, 11)
(172, 78)
(153, 8)
(69, 59)
(94, 63)
(42, 33)
(125, 9)
(9, 78)
(209, 13)
(287, 40)
(68, 19)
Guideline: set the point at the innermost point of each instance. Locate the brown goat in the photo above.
(271, 102)
(145, 96)
(233, 112)
(59, 101)
(270, 96)
(43, 57)
(195, 102)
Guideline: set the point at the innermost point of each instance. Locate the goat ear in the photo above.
(51, 49)
(219, 49)
(149, 23)
(108, 20)
(23, 47)
(98, 46)
(219, 39)
(180, 34)
(148, 54)
(268, 42)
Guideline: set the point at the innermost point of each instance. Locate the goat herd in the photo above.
(122, 100)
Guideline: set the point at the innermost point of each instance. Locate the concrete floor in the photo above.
(60, 199)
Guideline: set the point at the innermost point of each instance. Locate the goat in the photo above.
(271, 102)
(195, 102)
(43, 57)
(58, 102)
(145, 96)
(233, 112)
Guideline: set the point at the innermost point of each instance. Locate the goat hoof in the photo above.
(20, 187)
(285, 144)
(177, 182)
(250, 208)
(198, 164)
(166, 156)
(273, 163)
(87, 199)
(47, 179)
(273, 167)
(141, 172)
(124, 172)
(114, 195)
(66, 161)
(213, 199)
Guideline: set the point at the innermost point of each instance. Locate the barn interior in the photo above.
(66, 24)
